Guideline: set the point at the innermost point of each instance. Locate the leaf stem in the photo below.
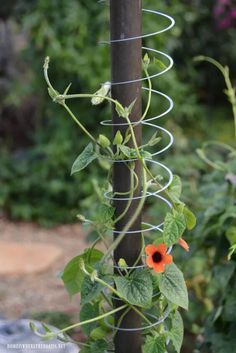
(97, 318)
(131, 221)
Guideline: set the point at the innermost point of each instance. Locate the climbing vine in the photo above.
(154, 290)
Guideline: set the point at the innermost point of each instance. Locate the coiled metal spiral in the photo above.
(149, 122)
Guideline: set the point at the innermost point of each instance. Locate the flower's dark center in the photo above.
(157, 257)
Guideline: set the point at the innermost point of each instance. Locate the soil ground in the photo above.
(22, 295)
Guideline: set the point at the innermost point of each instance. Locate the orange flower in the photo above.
(157, 257)
(184, 244)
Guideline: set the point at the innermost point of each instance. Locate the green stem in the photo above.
(131, 221)
(112, 289)
(97, 318)
(225, 73)
(89, 95)
(99, 238)
(141, 251)
(121, 319)
(231, 96)
(107, 299)
(141, 314)
(131, 193)
(149, 95)
(79, 124)
(134, 188)
(142, 160)
(99, 280)
(71, 96)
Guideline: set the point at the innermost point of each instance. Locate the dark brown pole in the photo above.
(126, 59)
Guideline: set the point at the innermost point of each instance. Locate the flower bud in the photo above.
(104, 141)
(101, 93)
(122, 263)
(118, 139)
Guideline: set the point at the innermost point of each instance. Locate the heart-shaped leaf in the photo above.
(173, 287)
(137, 288)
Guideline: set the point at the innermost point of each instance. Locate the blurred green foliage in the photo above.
(39, 143)
(35, 166)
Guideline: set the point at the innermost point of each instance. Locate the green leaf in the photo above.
(230, 212)
(155, 344)
(174, 227)
(98, 333)
(232, 250)
(127, 137)
(173, 287)
(175, 188)
(99, 346)
(84, 159)
(67, 89)
(124, 112)
(130, 107)
(190, 218)
(230, 308)
(33, 326)
(127, 151)
(154, 140)
(95, 346)
(159, 63)
(89, 311)
(136, 288)
(177, 331)
(231, 235)
(90, 290)
(146, 154)
(120, 110)
(46, 327)
(104, 217)
(73, 276)
(222, 274)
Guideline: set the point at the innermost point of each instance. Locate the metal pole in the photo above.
(126, 61)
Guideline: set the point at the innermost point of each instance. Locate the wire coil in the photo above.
(150, 123)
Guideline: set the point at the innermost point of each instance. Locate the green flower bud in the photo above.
(94, 274)
(118, 139)
(122, 263)
(104, 141)
(146, 61)
(100, 95)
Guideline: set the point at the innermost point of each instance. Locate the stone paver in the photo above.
(17, 337)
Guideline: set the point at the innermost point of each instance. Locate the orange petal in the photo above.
(183, 244)
(159, 268)
(161, 248)
(150, 249)
(149, 261)
(168, 259)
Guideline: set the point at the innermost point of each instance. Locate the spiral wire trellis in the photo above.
(147, 122)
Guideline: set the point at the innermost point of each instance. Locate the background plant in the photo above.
(27, 116)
